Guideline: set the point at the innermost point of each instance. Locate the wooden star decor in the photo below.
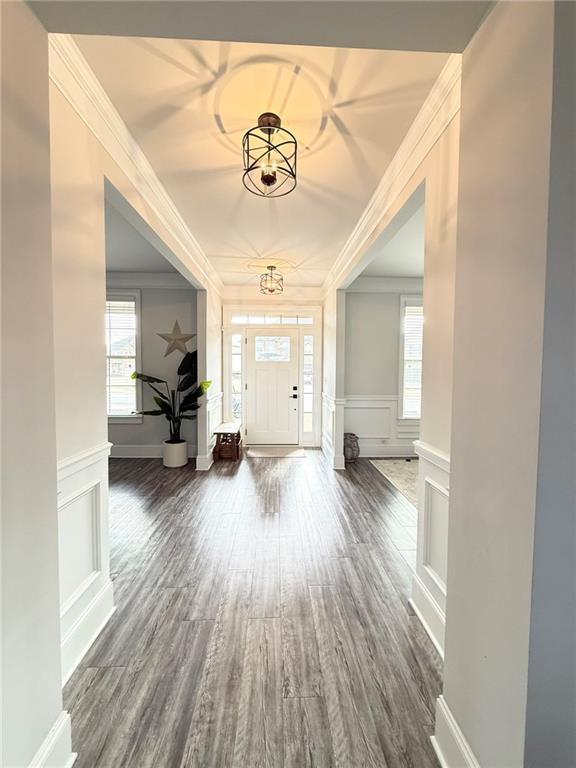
(176, 340)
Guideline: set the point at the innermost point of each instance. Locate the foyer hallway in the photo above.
(262, 620)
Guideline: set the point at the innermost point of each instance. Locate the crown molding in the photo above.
(436, 113)
(72, 75)
(387, 285)
(293, 294)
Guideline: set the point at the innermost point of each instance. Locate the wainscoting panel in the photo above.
(86, 594)
(435, 554)
(429, 584)
(380, 432)
(79, 536)
(372, 422)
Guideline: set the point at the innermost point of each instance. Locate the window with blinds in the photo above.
(121, 354)
(411, 367)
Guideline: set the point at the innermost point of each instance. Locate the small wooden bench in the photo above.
(228, 441)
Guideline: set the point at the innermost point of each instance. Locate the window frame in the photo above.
(414, 300)
(128, 294)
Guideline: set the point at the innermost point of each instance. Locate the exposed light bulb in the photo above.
(268, 174)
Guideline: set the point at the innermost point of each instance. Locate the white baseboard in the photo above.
(336, 461)
(56, 749)
(203, 463)
(144, 451)
(449, 742)
(86, 629)
(429, 613)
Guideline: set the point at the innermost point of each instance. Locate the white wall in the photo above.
(441, 193)
(333, 373)
(160, 309)
(372, 359)
(209, 369)
(499, 317)
(78, 241)
(31, 700)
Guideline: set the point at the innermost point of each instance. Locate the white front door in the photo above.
(272, 393)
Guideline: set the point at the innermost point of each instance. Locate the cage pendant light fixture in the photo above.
(269, 158)
(271, 281)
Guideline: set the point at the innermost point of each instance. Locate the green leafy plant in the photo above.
(179, 404)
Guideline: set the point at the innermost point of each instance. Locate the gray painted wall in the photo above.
(551, 712)
(372, 343)
(160, 308)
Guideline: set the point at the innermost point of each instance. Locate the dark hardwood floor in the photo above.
(262, 620)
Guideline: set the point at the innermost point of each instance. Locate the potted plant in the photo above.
(176, 405)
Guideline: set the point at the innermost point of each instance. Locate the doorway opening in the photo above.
(151, 323)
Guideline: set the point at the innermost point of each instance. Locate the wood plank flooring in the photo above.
(262, 622)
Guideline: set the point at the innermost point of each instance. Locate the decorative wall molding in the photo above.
(293, 295)
(429, 582)
(86, 592)
(169, 280)
(387, 285)
(449, 742)
(376, 449)
(152, 451)
(80, 461)
(381, 433)
(72, 75)
(376, 399)
(429, 612)
(439, 108)
(433, 455)
(55, 750)
(434, 562)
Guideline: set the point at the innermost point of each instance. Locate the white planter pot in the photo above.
(175, 454)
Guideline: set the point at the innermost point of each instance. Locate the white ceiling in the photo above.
(403, 254)
(127, 250)
(189, 103)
